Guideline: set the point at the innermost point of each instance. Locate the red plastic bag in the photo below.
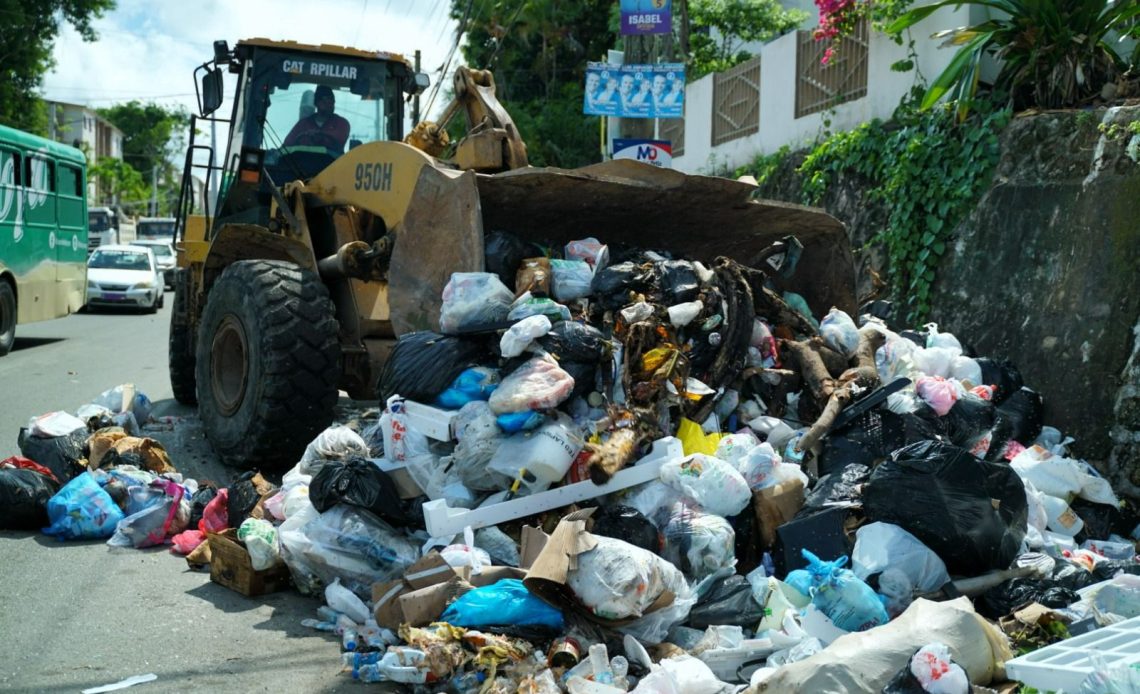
(187, 541)
(216, 516)
(22, 463)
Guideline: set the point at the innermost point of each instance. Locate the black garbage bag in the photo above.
(679, 281)
(359, 482)
(1001, 374)
(968, 420)
(612, 285)
(918, 337)
(1102, 520)
(970, 512)
(503, 253)
(423, 364)
(628, 524)
(575, 341)
(841, 489)
(1020, 415)
(205, 494)
(1004, 598)
(23, 498)
(245, 492)
(876, 434)
(585, 377)
(1106, 570)
(65, 456)
(728, 601)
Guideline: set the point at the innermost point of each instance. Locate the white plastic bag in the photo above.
(759, 467)
(334, 443)
(570, 279)
(681, 315)
(260, 538)
(345, 601)
(880, 546)
(616, 580)
(839, 332)
(692, 675)
(966, 370)
(519, 336)
(711, 483)
(1062, 477)
(734, 448)
(942, 340)
(473, 300)
(933, 361)
(539, 384)
(54, 424)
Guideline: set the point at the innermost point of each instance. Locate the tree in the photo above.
(538, 51)
(119, 182)
(152, 136)
(721, 28)
(28, 29)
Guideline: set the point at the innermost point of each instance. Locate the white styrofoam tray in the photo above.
(1064, 665)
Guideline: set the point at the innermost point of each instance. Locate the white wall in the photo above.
(778, 124)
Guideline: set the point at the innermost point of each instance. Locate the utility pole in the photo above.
(154, 190)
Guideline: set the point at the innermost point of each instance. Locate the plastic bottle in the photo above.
(398, 665)
(600, 663)
(318, 625)
(349, 639)
(344, 622)
(356, 660)
(328, 614)
(620, 668)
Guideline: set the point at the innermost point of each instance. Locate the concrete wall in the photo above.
(778, 124)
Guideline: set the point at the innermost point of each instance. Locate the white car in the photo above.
(123, 275)
(164, 255)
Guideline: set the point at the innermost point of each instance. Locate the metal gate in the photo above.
(820, 87)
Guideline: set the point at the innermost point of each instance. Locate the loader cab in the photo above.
(275, 89)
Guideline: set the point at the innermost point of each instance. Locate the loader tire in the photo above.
(269, 363)
(180, 353)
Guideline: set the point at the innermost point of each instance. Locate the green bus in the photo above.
(43, 231)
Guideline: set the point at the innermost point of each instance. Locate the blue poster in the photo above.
(646, 16)
(635, 91)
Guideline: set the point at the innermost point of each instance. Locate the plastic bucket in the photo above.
(545, 453)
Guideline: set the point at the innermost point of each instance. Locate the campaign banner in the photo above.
(653, 152)
(634, 91)
(646, 16)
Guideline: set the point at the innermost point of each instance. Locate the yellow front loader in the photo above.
(303, 257)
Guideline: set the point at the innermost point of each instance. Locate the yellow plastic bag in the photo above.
(694, 440)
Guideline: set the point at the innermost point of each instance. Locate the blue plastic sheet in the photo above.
(82, 510)
(504, 602)
(473, 384)
(514, 422)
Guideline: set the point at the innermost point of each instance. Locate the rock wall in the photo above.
(1045, 272)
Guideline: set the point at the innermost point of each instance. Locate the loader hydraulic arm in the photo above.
(492, 142)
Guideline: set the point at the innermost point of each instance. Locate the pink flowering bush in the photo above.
(837, 18)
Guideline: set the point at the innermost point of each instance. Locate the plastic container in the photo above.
(545, 454)
(1059, 517)
(1066, 664)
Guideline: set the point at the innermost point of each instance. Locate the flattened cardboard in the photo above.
(551, 568)
(775, 506)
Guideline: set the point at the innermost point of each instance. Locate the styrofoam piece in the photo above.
(738, 664)
(442, 521)
(1065, 664)
(432, 422)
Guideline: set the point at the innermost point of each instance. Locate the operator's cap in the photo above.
(323, 91)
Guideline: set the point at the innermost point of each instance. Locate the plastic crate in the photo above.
(1064, 666)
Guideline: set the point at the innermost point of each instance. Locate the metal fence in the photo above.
(820, 87)
(673, 129)
(736, 102)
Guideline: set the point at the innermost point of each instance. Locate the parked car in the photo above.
(124, 275)
(155, 228)
(164, 254)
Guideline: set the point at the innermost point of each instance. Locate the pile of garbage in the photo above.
(620, 471)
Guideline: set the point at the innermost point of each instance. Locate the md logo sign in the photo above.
(652, 152)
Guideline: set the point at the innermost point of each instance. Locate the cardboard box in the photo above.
(231, 566)
(775, 506)
(558, 556)
(427, 588)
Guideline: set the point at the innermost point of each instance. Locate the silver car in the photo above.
(123, 275)
(164, 254)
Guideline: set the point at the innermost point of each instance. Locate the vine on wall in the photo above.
(925, 168)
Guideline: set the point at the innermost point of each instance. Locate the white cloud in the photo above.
(147, 50)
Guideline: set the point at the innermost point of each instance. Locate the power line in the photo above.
(459, 31)
(360, 23)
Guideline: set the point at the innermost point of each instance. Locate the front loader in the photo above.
(301, 263)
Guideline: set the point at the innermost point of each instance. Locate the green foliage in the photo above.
(118, 180)
(927, 169)
(736, 22)
(764, 165)
(538, 51)
(28, 29)
(1053, 53)
(152, 136)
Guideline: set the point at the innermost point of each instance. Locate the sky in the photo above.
(148, 49)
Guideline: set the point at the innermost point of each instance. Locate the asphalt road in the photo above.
(81, 614)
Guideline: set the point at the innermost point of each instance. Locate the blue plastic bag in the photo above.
(514, 422)
(476, 383)
(504, 602)
(838, 593)
(82, 510)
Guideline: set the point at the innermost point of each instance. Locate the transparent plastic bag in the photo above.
(616, 580)
(479, 437)
(571, 279)
(519, 336)
(334, 443)
(710, 482)
(355, 545)
(761, 467)
(528, 305)
(880, 546)
(734, 448)
(539, 384)
(699, 544)
(839, 332)
(161, 518)
(473, 301)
